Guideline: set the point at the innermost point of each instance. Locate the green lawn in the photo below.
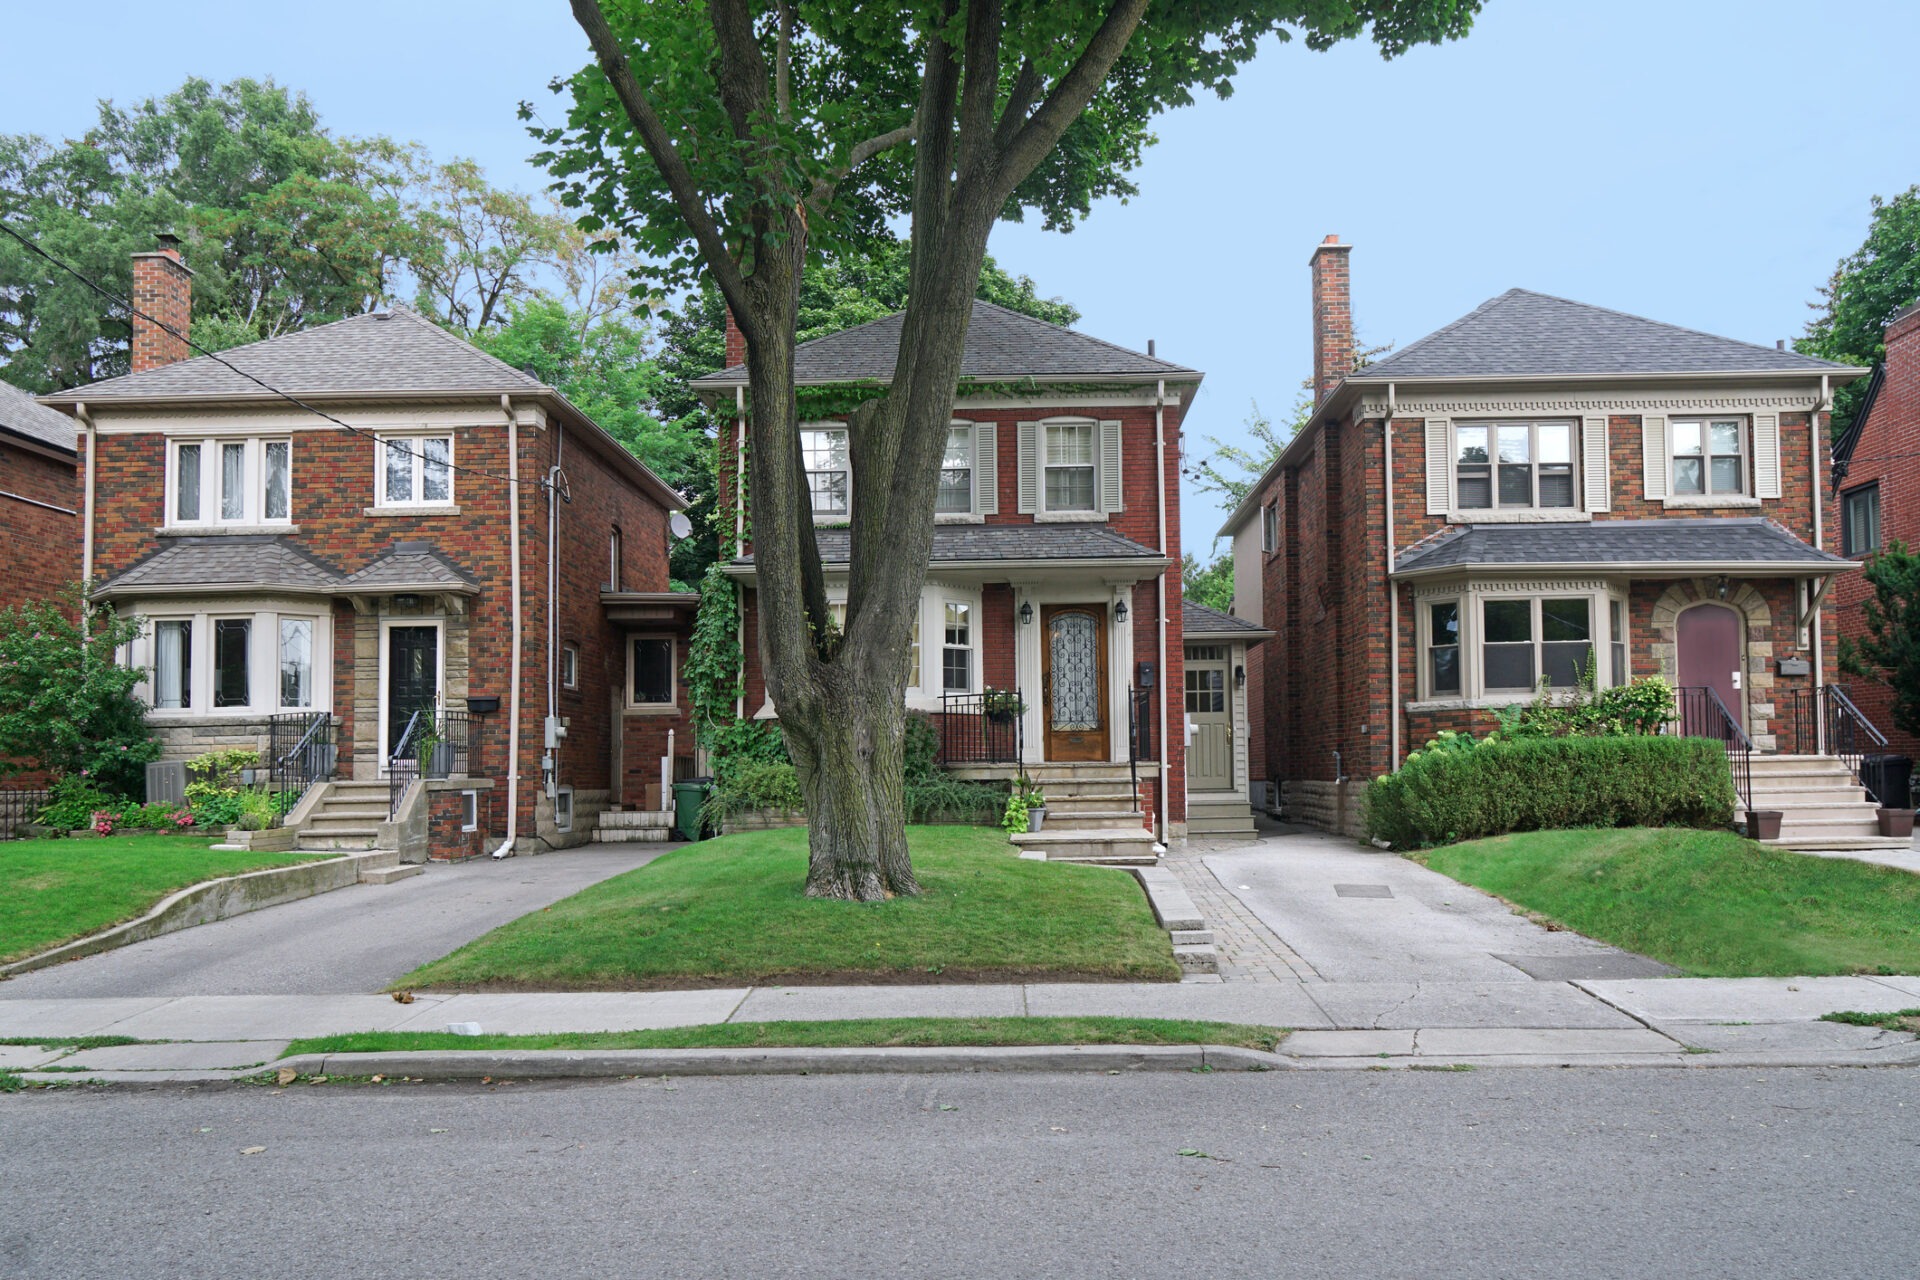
(885, 1033)
(731, 912)
(52, 891)
(1708, 902)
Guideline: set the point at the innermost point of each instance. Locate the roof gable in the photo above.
(22, 415)
(1002, 346)
(1527, 334)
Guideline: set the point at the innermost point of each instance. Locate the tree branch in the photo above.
(666, 157)
(981, 84)
(1026, 84)
(1046, 126)
(783, 63)
(862, 152)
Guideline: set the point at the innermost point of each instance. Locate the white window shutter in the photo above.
(1028, 448)
(1439, 466)
(1653, 454)
(1110, 496)
(986, 469)
(1766, 455)
(1593, 461)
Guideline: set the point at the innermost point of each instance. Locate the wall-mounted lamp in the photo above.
(1026, 613)
(406, 601)
(1239, 677)
(1720, 587)
(1120, 611)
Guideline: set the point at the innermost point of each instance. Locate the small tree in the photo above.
(1890, 651)
(66, 704)
(1866, 289)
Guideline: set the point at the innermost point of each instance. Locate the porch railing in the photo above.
(1700, 712)
(1139, 735)
(1826, 722)
(301, 751)
(18, 808)
(982, 728)
(437, 743)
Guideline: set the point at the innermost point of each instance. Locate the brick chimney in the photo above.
(163, 289)
(736, 342)
(1332, 317)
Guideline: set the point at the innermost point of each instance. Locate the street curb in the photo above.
(204, 903)
(581, 1064)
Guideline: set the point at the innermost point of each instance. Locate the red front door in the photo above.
(1709, 641)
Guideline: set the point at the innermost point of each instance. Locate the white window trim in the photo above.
(570, 666)
(1861, 492)
(419, 462)
(439, 676)
(263, 656)
(313, 657)
(1270, 528)
(973, 472)
(1706, 498)
(563, 800)
(819, 516)
(671, 707)
(469, 811)
(1043, 514)
(253, 484)
(1471, 596)
(1516, 515)
(975, 617)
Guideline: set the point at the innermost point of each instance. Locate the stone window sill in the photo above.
(1708, 503)
(223, 530)
(1069, 517)
(417, 509)
(959, 517)
(1488, 702)
(661, 709)
(1520, 515)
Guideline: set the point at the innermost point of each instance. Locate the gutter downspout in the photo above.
(513, 723)
(1160, 504)
(739, 536)
(86, 533)
(1819, 544)
(1393, 589)
(555, 477)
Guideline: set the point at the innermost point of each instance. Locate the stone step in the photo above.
(1210, 824)
(1197, 959)
(635, 818)
(328, 825)
(1844, 844)
(1776, 797)
(1128, 848)
(332, 844)
(360, 792)
(362, 813)
(631, 835)
(1796, 833)
(1047, 774)
(1191, 937)
(1811, 766)
(387, 875)
(1798, 815)
(1094, 820)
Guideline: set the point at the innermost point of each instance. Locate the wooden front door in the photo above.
(1210, 713)
(1708, 640)
(1073, 673)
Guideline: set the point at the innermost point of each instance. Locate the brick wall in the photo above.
(42, 554)
(162, 290)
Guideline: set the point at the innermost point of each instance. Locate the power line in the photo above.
(127, 305)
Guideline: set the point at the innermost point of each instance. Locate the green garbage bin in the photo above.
(688, 798)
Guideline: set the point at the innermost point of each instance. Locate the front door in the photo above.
(1210, 715)
(413, 677)
(1708, 640)
(1074, 676)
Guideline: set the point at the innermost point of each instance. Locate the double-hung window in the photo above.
(296, 662)
(415, 471)
(1860, 520)
(1522, 465)
(956, 473)
(956, 652)
(1709, 456)
(229, 482)
(653, 678)
(232, 662)
(1443, 649)
(173, 665)
(1527, 641)
(823, 451)
(1270, 527)
(913, 654)
(1072, 454)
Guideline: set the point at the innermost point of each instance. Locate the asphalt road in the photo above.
(1513, 1173)
(356, 939)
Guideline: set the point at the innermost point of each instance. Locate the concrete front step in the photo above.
(1095, 820)
(327, 825)
(387, 875)
(1045, 775)
(332, 844)
(1842, 843)
(1083, 801)
(631, 835)
(1775, 799)
(1128, 848)
(635, 818)
(1815, 812)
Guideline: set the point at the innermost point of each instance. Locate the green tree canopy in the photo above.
(1867, 288)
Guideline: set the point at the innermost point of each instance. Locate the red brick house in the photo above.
(1054, 573)
(372, 551)
(39, 500)
(1539, 487)
(1876, 480)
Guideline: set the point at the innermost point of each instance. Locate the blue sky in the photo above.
(1703, 162)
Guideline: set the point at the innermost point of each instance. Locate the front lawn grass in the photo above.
(1709, 902)
(855, 1033)
(52, 891)
(732, 912)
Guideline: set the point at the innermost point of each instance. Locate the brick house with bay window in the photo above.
(1538, 488)
(1054, 573)
(321, 533)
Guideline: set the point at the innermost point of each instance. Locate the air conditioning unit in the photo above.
(167, 782)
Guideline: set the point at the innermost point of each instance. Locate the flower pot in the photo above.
(1036, 819)
(1763, 824)
(437, 761)
(1895, 822)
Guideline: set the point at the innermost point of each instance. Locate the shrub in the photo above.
(75, 800)
(922, 747)
(939, 798)
(1455, 792)
(66, 703)
(1640, 707)
(747, 785)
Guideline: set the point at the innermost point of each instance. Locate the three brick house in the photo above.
(1539, 489)
(372, 549)
(39, 502)
(1054, 573)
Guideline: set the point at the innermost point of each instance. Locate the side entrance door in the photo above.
(1073, 675)
(412, 678)
(1707, 638)
(1210, 712)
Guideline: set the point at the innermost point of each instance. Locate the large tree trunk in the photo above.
(847, 751)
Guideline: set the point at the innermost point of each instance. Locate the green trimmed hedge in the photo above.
(1462, 789)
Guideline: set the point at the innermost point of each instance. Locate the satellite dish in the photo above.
(680, 525)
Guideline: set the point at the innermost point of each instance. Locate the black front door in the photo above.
(413, 677)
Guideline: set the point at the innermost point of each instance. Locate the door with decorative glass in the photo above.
(1210, 719)
(1074, 679)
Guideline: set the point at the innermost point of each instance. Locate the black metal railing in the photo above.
(1139, 735)
(300, 751)
(1825, 721)
(1700, 712)
(982, 728)
(19, 808)
(437, 743)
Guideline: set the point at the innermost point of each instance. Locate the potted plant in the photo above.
(1014, 820)
(1763, 824)
(434, 753)
(1001, 705)
(1036, 809)
(1895, 822)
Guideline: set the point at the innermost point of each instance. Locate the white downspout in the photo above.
(1393, 590)
(554, 477)
(739, 535)
(86, 532)
(513, 723)
(1819, 544)
(1160, 504)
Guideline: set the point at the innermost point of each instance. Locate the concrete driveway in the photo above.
(1356, 914)
(357, 939)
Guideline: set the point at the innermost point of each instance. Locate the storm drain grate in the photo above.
(1362, 891)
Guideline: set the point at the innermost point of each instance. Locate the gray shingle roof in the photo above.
(419, 566)
(1199, 620)
(392, 352)
(227, 563)
(1002, 345)
(1602, 543)
(24, 416)
(964, 543)
(1521, 333)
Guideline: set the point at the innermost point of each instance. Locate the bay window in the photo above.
(296, 663)
(222, 663)
(415, 471)
(173, 666)
(232, 660)
(1484, 643)
(1443, 649)
(229, 482)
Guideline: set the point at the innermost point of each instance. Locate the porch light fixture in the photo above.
(1239, 677)
(406, 600)
(1026, 613)
(1120, 611)
(1720, 587)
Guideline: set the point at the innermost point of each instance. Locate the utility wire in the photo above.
(127, 305)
